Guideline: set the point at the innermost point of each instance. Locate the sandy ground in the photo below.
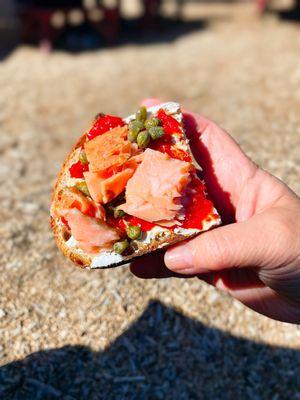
(72, 334)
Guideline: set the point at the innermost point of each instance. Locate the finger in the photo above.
(229, 246)
(258, 297)
(219, 156)
(150, 102)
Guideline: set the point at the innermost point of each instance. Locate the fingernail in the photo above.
(179, 259)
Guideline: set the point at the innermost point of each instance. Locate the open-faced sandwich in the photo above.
(129, 187)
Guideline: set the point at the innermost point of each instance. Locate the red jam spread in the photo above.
(170, 124)
(198, 207)
(144, 225)
(76, 170)
(104, 123)
(118, 223)
(121, 223)
(173, 151)
(65, 222)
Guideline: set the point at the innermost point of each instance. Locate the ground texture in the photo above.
(72, 334)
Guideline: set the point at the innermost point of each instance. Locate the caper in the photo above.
(133, 232)
(141, 114)
(82, 186)
(132, 136)
(119, 213)
(120, 247)
(134, 128)
(82, 158)
(156, 132)
(136, 125)
(143, 139)
(152, 122)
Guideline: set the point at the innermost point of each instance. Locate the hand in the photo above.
(256, 257)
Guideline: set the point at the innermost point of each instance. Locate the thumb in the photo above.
(243, 244)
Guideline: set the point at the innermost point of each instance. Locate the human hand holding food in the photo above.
(257, 258)
(130, 187)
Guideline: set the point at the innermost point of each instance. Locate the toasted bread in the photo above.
(157, 238)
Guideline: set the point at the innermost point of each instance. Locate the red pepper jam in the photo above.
(173, 152)
(165, 145)
(144, 225)
(65, 222)
(117, 223)
(198, 208)
(104, 123)
(121, 223)
(76, 170)
(169, 124)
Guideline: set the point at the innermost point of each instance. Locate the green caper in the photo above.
(82, 158)
(119, 213)
(152, 122)
(134, 128)
(156, 132)
(136, 125)
(132, 136)
(141, 114)
(82, 186)
(133, 232)
(143, 139)
(120, 247)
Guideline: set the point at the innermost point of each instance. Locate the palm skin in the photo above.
(256, 256)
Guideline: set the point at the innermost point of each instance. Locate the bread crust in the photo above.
(60, 232)
(83, 260)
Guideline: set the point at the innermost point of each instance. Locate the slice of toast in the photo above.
(156, 238)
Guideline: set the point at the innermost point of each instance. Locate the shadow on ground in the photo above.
(163, 355)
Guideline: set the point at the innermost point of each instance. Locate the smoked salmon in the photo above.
(71, 197)
(90, 233)
(152, 191)
(105, 190)
(108, 150)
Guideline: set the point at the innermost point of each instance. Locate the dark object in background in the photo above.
(51, 3)
(264, 5)
(45, 22)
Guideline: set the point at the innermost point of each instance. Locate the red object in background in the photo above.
(104, 124)
(261, 5)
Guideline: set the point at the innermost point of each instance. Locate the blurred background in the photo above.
(72, 334)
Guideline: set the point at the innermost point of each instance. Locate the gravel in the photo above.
(72, 334)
